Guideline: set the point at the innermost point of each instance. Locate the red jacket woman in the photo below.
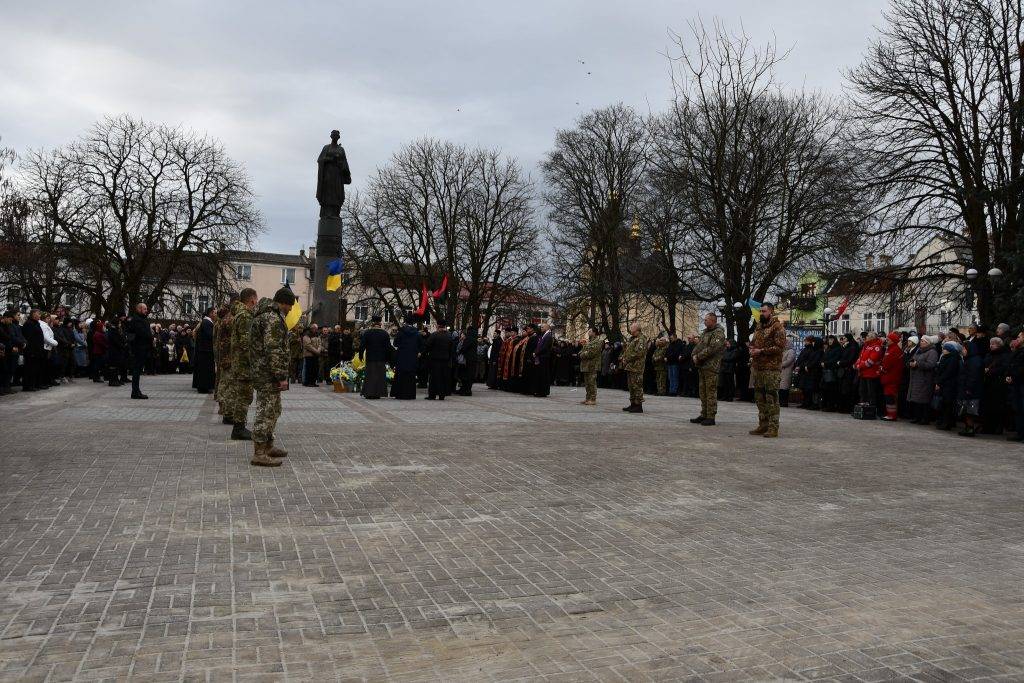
(892, 366)
(869, 363)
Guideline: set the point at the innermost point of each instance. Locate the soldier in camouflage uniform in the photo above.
(239, 392)
(707, 356)
(633, 360)
(660, 365)
(269, 358)
(222, 358)
(590, 363)
(766, 351)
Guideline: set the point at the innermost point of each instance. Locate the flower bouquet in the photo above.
(346, 378)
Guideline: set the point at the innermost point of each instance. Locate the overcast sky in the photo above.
(271, 79)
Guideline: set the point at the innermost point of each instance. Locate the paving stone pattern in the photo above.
(500, 538)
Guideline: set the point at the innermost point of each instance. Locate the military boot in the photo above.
(628, 409)
(771, 433)
(697, 420)
(276, 452)
(761, 429)
(262, 457)
(240, 433)
(636, 408)
(227, 420)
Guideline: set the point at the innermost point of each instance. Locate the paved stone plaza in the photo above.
(500, 537)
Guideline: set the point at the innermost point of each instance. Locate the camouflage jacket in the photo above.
(240, 325)
(707, 354)
(771, 339)
(634, 354)
(268, 344)
(590, 354)
(222, 344)
(659, 354)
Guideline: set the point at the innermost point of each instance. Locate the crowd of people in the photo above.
(973, 380)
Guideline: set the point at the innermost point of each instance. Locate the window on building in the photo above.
(808, 288)
(187, 307)
(243, 271)
(869, 322)
(947, 319)
(880, 321)
(362, 312)
(287, 276)
(204, 303)
(388, 315)
(844, 327)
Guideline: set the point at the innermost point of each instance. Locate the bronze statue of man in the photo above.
(331, 178)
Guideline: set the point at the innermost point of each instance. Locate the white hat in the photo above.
(913, 340)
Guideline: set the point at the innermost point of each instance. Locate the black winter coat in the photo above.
(407, 345)
(947, 373)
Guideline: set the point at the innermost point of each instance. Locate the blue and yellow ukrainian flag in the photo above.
(334, 268)
(755, 309)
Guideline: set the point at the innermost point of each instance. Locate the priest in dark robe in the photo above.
(528, 367)
(505, 358)
(377, 351)
(493, 357)
(439, 349)
(204, 370)
(407, 351)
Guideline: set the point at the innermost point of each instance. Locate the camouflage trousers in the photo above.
(635, 380)
(766, 393)
(239, 398)
(268, 409)
(708, 393)
(220, 387)
(661, 379)
(590, 382)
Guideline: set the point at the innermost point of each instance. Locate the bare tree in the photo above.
(768, 185)
(441, 209)
(130, 200)
(595, 177)
(940, 102)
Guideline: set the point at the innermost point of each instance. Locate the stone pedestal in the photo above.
(325, 305)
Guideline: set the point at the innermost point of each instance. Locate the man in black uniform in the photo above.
(438, 350)
(140, 339)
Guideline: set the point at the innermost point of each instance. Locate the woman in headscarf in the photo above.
(921, 388)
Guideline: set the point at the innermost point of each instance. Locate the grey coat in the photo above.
(922, 377)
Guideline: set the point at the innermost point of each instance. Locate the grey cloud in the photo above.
(270, 79)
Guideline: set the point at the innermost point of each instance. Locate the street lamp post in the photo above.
(826, 317)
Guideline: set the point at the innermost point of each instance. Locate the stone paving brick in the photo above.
(499, 538)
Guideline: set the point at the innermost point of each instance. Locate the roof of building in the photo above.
(242, 256)
(874, 281)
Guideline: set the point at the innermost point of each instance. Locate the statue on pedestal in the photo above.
(331, 178)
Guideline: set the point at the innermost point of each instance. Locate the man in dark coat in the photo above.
(407, 350)
(466, 359)
(333, 348)
(140, 339)
(347, 345)
(117, 351)
(542, 363)
(204, 370)
(438, 350)
(377, 350)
